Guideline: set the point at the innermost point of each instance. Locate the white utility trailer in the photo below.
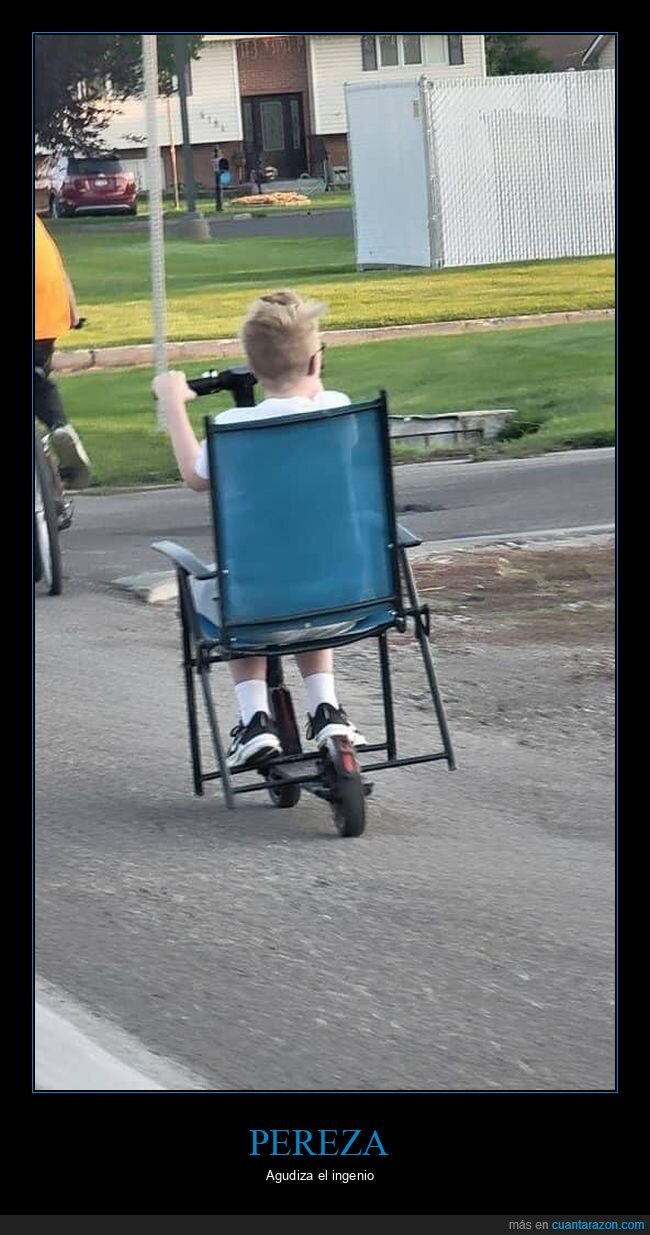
(482, 170)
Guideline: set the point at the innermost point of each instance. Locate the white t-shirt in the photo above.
(266, 410)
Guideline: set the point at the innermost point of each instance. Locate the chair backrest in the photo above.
(304, 518)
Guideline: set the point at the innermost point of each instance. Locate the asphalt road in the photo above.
(465, 942)
(111, 535)
(328, 222)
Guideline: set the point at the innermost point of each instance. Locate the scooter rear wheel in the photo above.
(281, 792)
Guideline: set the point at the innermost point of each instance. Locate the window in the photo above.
(368, 51)
(412, 48)
(247, 114)
(272, 125)
(455, 42)
(437, 49)
(390, 51)
(296, 139)
(108, 166)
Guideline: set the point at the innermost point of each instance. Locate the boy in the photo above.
(281, 342)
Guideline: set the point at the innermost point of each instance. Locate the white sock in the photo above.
(320, 689)
(252, 697)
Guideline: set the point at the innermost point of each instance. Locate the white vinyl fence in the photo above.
(516, 168)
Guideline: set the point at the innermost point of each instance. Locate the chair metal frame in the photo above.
(199, 652)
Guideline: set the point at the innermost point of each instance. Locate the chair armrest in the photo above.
(183, 558)
(406, 539)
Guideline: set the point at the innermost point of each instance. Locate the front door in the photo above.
(274, 134)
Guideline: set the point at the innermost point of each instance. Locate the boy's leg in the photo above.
(255, 737)
(325, 718)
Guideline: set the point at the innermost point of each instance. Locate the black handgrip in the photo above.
(205, 385)
(239, 381)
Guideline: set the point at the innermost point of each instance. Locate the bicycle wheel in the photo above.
(47, 548)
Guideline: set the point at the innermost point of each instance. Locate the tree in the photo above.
(508, 53)
(81, 80)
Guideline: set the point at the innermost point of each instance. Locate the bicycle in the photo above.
(48, 568)
(52, 511)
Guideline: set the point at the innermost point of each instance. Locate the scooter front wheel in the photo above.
(350, 808)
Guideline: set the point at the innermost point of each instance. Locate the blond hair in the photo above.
(280, 336)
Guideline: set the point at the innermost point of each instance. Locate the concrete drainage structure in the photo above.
(450, 428)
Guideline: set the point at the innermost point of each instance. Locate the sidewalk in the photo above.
(75, 1049)
(83, 359)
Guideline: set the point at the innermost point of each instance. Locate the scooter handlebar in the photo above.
(239, 380)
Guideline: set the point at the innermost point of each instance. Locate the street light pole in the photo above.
(154, 182)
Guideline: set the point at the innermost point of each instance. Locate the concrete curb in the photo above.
(217, 349)
(570, 537)
(159, 587)
(155, 587)
(75, 1049)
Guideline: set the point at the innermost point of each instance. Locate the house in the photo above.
(565, 51)
(601, 54)
(279, 98)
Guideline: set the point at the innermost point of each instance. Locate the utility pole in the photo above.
(172, 151)
(195, 225)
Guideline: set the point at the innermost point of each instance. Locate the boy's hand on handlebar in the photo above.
(171, 388)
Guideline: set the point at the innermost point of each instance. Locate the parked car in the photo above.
(42, 195)
(94, 184)
(45, 169)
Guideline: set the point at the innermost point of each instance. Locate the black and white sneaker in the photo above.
(253, 743)
(74, 464)
(330, 722)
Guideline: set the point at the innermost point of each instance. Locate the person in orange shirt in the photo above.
(55, 312)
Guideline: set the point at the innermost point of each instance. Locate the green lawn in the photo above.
(560, 378)
(210, 284)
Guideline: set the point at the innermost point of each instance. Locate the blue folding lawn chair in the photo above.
(308, 555)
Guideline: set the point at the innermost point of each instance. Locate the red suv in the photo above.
(94, 184)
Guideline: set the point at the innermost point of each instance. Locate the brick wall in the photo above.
(202, 160)
(276, 65)
(273, 66)
(337, 149)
